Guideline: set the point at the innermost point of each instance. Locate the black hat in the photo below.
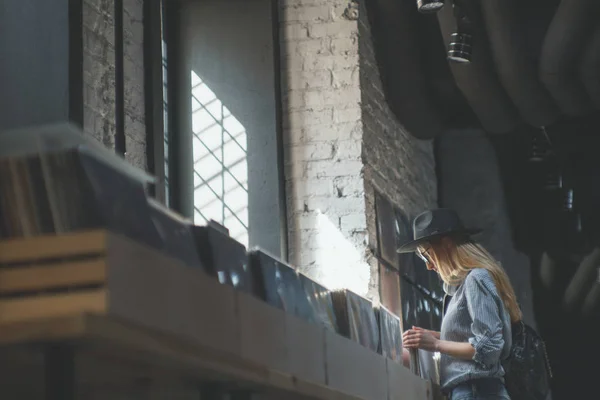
(434, 224)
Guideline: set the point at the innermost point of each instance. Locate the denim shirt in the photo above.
(477, 315)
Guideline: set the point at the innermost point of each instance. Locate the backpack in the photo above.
(527, 368)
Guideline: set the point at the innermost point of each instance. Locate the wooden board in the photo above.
(44, 277)
(53, 246)
(54, 275)
(108, 274)
(35, 307)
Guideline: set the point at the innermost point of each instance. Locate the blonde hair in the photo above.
(454, 259)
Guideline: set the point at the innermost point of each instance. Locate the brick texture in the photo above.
(341, 144)
(323, 133)
(99, 76)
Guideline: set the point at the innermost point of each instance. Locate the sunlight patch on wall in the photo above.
(220, 163)
(340, 263)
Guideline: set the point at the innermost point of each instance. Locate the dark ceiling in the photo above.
(533, 63)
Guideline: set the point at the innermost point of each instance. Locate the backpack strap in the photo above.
(547, 360)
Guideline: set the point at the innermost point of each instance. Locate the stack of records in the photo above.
(417, 309)
(55, 138)
(223, 257)
(320, 301)
(25, 205)
(57, 183)
(390, 334)
(279, 285)
(356, 318)
(175, 233)
(119, 200)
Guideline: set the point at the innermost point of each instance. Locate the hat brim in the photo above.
(411, 246)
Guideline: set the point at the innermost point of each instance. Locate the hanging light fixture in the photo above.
(461, 41)
(568, 200)
(539, 149)
(460, 48)
(554, 180)
(429, 6)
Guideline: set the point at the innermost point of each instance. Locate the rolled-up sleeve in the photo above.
(486, 327)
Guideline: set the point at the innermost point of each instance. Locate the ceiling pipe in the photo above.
(590, 68)
(548, 271)
(582, 281)
(398, 55)
(561, 51)
(517, 63)
(477, 80)
(591, 304)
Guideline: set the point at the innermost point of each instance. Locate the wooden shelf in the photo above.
(97, 310)
(150, 356)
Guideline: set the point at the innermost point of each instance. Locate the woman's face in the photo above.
(424, 253)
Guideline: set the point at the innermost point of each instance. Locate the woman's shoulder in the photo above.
(479, 274)
(480, 277)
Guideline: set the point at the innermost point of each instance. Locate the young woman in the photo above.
(475, 335)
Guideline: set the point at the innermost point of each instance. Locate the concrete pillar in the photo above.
(58, 65)
(41, 63)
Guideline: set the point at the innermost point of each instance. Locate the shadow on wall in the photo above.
(470, 183)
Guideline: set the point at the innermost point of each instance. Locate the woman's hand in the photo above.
(419, 338)
(434, 333)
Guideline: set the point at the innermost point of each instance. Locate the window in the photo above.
(386, 230)
(391, 231)
(389, 289)
(407, 288)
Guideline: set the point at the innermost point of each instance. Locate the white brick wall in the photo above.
(342, 143)
(323, 136)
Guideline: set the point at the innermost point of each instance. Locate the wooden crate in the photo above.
(104, 273)
(54, 275)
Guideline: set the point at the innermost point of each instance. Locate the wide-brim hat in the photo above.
(434, 224)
